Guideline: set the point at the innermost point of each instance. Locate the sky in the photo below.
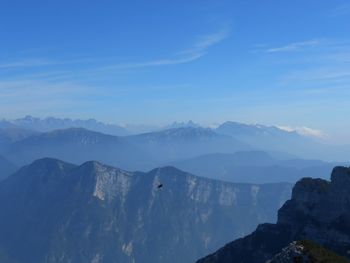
(275, 62)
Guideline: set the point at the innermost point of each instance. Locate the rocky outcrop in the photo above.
(319, 210)
(307, 252)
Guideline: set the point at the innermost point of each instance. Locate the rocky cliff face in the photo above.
(319, 210)
(52, 211)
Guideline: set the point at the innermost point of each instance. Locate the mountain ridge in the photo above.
(65, 212)
(78, 145)
(51, 123)
(253, 166)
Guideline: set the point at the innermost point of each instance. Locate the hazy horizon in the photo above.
(135, 128)
(274, 63)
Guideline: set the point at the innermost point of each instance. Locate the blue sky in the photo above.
(272, 62)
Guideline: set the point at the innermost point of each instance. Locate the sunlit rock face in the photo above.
(306, 251)
(319, 210)
(53, 211)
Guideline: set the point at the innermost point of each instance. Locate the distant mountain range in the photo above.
(138, 152)
(202, 151)
(319, 211)
(10, 135)
(272, 138)
(254, 166)
(234, 129)
(241, 130)
(53, 211)
(189, 124)
(186, 142)
(51, 123)
(79, 145)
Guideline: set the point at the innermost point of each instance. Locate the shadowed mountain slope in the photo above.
(54, 211)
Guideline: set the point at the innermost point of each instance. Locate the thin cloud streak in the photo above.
(205, 42)
(26, 64)
(155, 63)
(297, 46)
(305, 131)
(199, 49)
(40, 62)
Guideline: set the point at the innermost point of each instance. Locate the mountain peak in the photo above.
(309, 188)
(72, 130)
(78, 135)
(50, 164)
(237, 128)
(176, 124)
(341, 177)
(181, 133)
(188, 132)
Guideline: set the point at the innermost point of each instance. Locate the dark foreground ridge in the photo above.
(318, 211)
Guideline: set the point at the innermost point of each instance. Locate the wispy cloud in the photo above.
(40, 62)
(155, 63)
(37, 89)
(305, 131)
(41, 84)
(296, 46)
(195, 52)
(198, 50)
(205, 42)
(26, 63)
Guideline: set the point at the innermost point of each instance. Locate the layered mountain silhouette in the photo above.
(254, 166)
(197, 150)
(53, 211)
(272, 138)
(186, 142)
(139, 152)
(10, 135)
(78, 145)
(318, 211)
